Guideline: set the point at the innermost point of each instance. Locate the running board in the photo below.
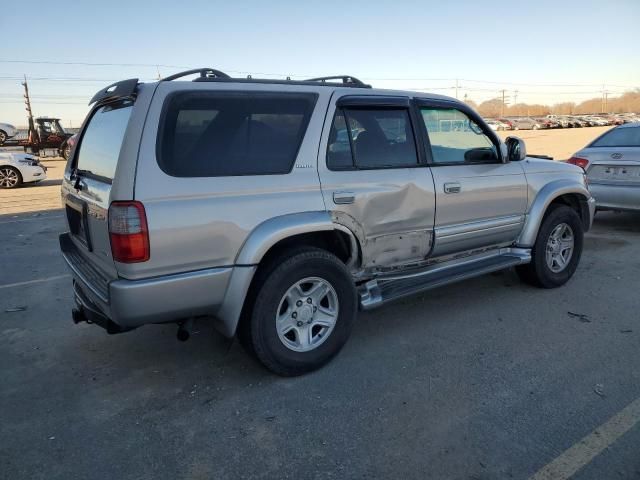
(377, 292)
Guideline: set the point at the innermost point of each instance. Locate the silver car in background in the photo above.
(7, 131)
(612, 163)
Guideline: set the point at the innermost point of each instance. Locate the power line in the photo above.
(299, 75)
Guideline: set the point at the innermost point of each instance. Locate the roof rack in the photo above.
(346, 79)
(213, 75)
(204, 73)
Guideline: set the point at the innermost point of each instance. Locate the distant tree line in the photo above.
(627, 102)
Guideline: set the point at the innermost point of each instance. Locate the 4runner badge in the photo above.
(304, 165)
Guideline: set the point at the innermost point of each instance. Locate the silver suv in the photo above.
(277, 209)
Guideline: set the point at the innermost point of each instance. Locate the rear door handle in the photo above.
(453, 187)
(343, 198)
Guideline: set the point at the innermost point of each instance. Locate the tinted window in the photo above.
(101, 141)
(379, 138)
(225, 134)
(619, 137)
(455, 138)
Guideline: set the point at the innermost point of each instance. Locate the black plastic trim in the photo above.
(121, 89)
(373, 101)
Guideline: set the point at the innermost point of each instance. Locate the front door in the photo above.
(374, 181)
(480, 200)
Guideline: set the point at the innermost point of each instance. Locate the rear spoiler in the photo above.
(544, 157)
(122, 89)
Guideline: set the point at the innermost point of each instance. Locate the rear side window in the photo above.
(619, 137)
(230, 134)
(375, 138)
(102, 138)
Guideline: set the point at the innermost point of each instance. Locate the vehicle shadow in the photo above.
(47, 183)
(616, 222)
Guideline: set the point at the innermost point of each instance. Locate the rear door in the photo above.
(374, 181)
(87, 185)
(480, 200)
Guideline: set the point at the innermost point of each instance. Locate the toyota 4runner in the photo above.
(278, 208)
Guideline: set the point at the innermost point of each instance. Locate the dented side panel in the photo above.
(391, 211)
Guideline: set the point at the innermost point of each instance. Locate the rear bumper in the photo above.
(616, 197)
(169, 298)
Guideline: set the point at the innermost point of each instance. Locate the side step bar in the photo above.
(380, 291)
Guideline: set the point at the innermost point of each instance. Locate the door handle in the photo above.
(343, 198)
(453, 187)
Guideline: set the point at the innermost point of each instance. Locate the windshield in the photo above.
(101, 141)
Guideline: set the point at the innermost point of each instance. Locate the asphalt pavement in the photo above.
(485, 379)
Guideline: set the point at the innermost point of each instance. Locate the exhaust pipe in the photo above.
(78, 315)
(184, 330)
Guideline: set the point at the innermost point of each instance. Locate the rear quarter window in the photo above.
(217, 134)
(102, 138)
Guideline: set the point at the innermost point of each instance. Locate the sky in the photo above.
(547, 51)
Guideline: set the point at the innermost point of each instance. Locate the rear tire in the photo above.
(66, 152)
(551, 263)
(3, 137)
(293, 328)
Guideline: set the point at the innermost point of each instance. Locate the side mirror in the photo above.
(516, 150)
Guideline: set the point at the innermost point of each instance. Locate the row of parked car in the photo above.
(561, 121)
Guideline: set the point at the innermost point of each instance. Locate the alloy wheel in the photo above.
(307, 314)
(8, 178)
(560, 247)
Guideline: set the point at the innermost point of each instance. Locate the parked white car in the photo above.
(7, 131)
(19, 168)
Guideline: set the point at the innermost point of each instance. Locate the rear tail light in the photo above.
(581, 162)
(128, 232)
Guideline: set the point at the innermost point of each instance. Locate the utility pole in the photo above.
(502, 106)
(27, 101)
(457, 86)
(515, 97)
(606, 99)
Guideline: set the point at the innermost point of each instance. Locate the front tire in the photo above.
(3, 137)
(557, 250)
(10, 177)
(303, 312)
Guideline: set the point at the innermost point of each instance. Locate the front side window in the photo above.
(619, 137)
(371, 138)
(456, 139)
(229, 134)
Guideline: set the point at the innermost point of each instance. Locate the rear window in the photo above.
(102, 138)
(619, 137)
(230, 134)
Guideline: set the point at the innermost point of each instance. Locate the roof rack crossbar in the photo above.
(204, 73)
(346, 79)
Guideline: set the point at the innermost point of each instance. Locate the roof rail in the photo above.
(204, 73)
(346, 79)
